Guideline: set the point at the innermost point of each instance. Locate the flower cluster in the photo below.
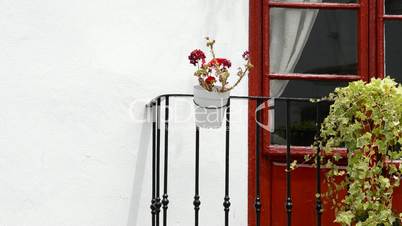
(220, 62)
(213, 76)
(196, 56)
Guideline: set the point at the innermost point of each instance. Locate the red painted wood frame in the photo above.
(381, 18)
(260, 76)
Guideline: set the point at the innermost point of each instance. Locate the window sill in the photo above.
(277, 153)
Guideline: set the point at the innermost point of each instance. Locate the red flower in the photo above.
(210, 80)
(220, 61)
(246, 55)
(195, 56)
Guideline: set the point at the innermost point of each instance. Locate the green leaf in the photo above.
(345, 217)
(293, 165)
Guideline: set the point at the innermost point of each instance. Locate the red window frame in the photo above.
(380, 24)
(370, 64)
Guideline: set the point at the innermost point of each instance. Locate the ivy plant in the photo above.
(366, 118)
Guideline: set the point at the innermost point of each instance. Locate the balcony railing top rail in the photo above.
(164, 96)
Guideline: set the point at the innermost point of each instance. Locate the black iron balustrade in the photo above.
(158, 202)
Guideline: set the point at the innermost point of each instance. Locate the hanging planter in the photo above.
(212, 94)
(209, 107)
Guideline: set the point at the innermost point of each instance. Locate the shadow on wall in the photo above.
(140, 164)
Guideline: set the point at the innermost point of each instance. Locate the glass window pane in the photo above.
(313, 41)
(393, 7)
(302, 113)
(393, 49)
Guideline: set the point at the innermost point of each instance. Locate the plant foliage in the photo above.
(366, 119)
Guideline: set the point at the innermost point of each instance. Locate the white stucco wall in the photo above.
(74, 75)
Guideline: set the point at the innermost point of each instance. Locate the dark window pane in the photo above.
(302, 113)
(313, 41)
(393, 49)
(393, 7)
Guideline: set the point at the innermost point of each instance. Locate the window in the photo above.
(308, 48)
(326, 45)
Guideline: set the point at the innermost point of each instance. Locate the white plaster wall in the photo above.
(74, 75)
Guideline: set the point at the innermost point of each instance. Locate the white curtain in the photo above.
(289, 32)
(289, 29)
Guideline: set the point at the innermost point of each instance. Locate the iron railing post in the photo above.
(226, 202)
(165, 200)
(196, 201)
(257, 203)
(158, 203)
(153, 207)
(318, 168)
(289, 203)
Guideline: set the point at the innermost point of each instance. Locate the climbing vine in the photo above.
(366, 118)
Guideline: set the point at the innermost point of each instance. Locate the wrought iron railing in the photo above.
(160, 202)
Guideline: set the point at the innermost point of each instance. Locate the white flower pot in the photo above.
(209, 107)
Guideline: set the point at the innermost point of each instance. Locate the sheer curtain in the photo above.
(289, 32)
